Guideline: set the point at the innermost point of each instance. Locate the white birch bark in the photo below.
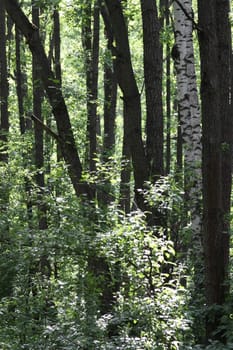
(190, 115)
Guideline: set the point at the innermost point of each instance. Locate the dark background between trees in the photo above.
(116, 170)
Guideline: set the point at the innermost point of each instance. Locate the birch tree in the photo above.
(189, 113)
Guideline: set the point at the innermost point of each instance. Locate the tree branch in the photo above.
(195, 25)
(46, 128)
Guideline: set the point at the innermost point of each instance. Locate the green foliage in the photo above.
(63, 312)
(95, 278)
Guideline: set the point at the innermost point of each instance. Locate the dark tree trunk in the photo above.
(57, 70)
(6, 274)
(153, 87)
(90, 39)
(57, 46)
(19, 82)
(68, 147)
(4, 126)
(95, 73)
(110, 98)
(126, 80)
(106, 196)
(225, 68)
(4, 115)
(168, 95)
(38, 94)
(125, 195)
(217, 148)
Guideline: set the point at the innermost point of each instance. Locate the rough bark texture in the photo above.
(54, 94)
(225, 76)
(153, 87)
(217, 146)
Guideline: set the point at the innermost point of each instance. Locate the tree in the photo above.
(110, 100)
(217, 151)
(6, 276)
(90, 39)
(153, 87)
(131, 97)
(168, 94)
(190, 120)
(4, 88)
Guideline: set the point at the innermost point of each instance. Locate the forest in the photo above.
(116, 141)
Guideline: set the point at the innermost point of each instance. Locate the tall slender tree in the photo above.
(217, 150)
(4, 89)
(38, 93)
(110, 100)
(90, 39)
(6, 276)
(168, 93)
(153, 87)
(190, 118)
(225, 90)
(131, 97)
(125, 200)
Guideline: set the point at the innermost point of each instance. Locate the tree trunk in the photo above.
(191, 133)
(125, 200)
(215, 51)
(6, 275)
(126, 80)
(168, 94)
(57, 46)
(110, 99)
(38, 131)
(19, 82)
(90, 39)
(4, 126)
(225, 76)
(153, 87)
